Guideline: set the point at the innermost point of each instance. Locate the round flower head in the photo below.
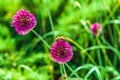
(61, 51)
(23, 21)
(96, 29)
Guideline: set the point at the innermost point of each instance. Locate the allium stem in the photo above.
(41, 38)
(104, 52)
(99, 57)
(70, 40)
(61, 70)
(73, 71)
(64, 71)
(81, 48)
(50, 19)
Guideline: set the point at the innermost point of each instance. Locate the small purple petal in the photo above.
(96, 29)
(23, 21)
(61, 51)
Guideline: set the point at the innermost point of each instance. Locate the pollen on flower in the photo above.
(23, 21)
(96, 29)
(61, 51)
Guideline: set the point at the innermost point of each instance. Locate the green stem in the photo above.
(115, 45)
(99, 57)
(72, 41)
(41, 38)
(104, 52)
(64, 71)
(115, 41)
(98, 52)
(73, 71)
(61, 70)
(81, 48)
(50, 19)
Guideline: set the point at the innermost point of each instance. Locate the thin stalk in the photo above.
(115, 45)
(44, 31)
(115, 61)
(41, 38)
(72, 41)
(73, 71)
(115, 38)
(81, 48)
(50, 19)
(99, 57)
(104, 52)
(111, 34)
(64, 71)
(61, 70)
(108, 44)
(98, 14)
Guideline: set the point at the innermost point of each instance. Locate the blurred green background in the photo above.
(27, 58)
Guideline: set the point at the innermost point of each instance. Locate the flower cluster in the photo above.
(61, 51)
(23, 21)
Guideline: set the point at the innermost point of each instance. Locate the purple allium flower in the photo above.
(23, 21)
(61, 51)
(96, 29)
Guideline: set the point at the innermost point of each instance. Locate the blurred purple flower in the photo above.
(23, 21)
(61, 51)
(96, 29)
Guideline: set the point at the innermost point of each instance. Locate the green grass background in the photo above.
(94, 58)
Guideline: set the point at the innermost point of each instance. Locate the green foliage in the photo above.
(28, 58)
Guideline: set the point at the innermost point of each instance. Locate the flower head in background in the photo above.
(96, 29)
(23, 21)
(61, 51)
